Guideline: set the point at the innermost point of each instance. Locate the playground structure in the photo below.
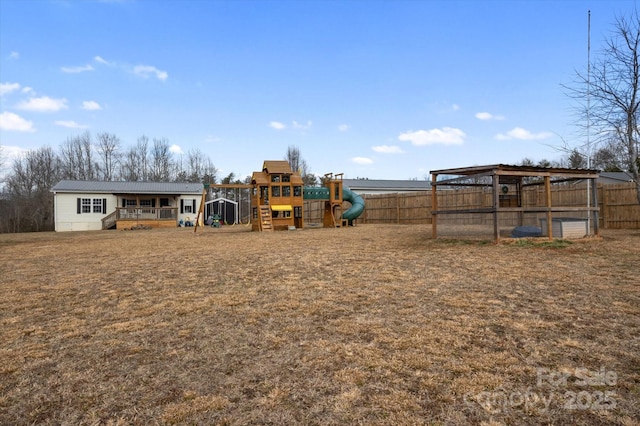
(334, 193)
(277, 200)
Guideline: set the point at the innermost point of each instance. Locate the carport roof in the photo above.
(506, 169)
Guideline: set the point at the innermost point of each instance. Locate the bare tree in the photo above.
(199, 168)
(1, 159)
(76, 154)
(28, 188)
(134, 165)
(298, 164)
(108, 149)
(129, 166)
(612, 88)
(142, 156)
(161, 161)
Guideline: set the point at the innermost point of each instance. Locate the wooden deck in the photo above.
(155, 217)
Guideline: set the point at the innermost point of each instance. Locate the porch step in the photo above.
(266, 224)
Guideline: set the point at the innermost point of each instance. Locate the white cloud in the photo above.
(175, 149)
(78, 69)
(146, 71)
(8, 88)
(212, 139)
(14, 55)
(297, 125)
(277, 125)
(12, 152)
(362, 160)
(388, 149)
(70, 124)
(344, 127)
(488, 116)
(455, 107)
(43, 104)
(11, 121)
(28, 89)
(100, 60)
(522, 134)
(91, 106)
(444, 136)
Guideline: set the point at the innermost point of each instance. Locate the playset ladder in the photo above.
(266, 223)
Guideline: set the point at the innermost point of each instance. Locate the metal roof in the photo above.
(127, 187)
(387, 185)
(616, 176)
(506, 168)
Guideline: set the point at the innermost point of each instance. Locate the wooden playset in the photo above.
(278, 194)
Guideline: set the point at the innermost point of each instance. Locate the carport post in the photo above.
(547, 190)
(434, 206)
(496, 206)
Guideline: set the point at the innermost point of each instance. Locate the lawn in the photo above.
(365, 325)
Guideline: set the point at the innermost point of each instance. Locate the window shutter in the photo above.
(194, 206)
(78, 206)
(181, 206)
(153, 202)
(104, 206)
(124, 203)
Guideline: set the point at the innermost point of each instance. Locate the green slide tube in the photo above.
(357, 204)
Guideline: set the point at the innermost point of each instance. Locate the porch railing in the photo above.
(147, 213)
(109, 221)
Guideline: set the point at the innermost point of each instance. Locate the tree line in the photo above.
(26, 203)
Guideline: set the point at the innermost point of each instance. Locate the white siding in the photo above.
(66, 212)
(188, 200)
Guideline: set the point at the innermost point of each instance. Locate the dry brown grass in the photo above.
(367, 325)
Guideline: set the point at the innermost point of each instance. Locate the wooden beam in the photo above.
(595, 211)
(496, 205)
(434, 206)
(547, 188)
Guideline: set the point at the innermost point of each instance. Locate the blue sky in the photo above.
(377, 89)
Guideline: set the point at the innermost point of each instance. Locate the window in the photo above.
(297, 191)
(286, 178)
(187, 206)
(297, 211)
(275, 191)
(286, 214)
(286, 191)
(86, 205)
(255, 212)
(129, 203)
(275, 178)
(97, 205)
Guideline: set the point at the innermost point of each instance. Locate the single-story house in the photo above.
(94, 205)
(385, 186)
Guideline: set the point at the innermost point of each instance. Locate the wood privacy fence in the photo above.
(618, 204)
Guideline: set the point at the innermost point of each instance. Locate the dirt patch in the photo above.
(372, 324)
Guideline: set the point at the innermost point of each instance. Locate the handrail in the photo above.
(109, 220)
(147, 213)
